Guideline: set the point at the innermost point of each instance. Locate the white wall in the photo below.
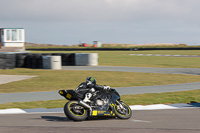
(13, 44)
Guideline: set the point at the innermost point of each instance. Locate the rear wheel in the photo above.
(75, 111)
(122, 110)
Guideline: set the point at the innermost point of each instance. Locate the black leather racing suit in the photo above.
(85, 85)
(91, 88)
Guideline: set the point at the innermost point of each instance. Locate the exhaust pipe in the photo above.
(85, 105)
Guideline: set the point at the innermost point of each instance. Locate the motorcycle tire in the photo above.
(75, 114)
(121, 114)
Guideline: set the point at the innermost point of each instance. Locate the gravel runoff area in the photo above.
(4, 79)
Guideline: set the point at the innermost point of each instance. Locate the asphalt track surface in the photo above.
(53, 95)
(151, 121)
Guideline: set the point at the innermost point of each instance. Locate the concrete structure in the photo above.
(12, 39)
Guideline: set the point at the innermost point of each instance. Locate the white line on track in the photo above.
(12, 111)
(140, 121)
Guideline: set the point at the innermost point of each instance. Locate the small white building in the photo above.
(12, 38)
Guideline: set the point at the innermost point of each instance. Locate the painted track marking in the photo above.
(140, 121)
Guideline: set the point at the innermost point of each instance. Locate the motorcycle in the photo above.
(103, 103)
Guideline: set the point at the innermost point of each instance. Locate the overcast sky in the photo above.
(109, 21)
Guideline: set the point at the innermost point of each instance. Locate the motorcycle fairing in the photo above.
(102, 113)
(104, 110)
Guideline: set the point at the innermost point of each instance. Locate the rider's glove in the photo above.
(106, 87)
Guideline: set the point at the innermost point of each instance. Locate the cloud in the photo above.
(98, 10)
(106, 20)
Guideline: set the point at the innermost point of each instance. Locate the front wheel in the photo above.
(75, 111)
(122, 110)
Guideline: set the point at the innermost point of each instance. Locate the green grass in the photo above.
(163, 98)
(36, 104)
(170, 52)
(51, 80)
(140, 99)
(122, 58)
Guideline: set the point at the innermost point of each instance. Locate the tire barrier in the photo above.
(67, 59)
(33, 61)
(7, 61)
(20, 60)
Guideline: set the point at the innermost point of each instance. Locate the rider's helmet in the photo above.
(91, 80)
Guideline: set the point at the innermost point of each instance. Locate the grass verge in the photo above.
(140, 99)
(51, 80)
(163, 98)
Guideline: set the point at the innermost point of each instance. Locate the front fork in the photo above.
(120, 105)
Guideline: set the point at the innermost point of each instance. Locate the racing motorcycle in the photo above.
(105, 103)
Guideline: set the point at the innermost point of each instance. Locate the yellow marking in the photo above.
(101, 112)
(112, 105)
(61, 92)
(69, 96)
(94, 113)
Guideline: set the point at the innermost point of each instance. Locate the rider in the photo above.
(92, 86)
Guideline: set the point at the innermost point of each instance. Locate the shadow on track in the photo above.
(65, 119)
(55, 118)
(194, 104)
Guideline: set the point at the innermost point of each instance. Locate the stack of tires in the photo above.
(20, 60)
(7, 61)
(68, 59)
(86, 59)
(28, 61)
(33, 61)
(2, 61)
(36, 61)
